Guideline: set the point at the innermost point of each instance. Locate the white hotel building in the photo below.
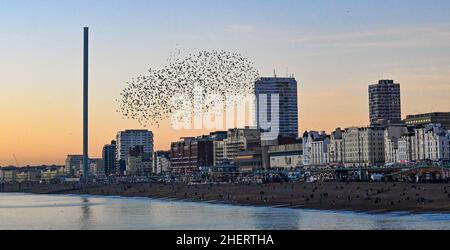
(392, 137)
(315, 148)
(431, 142)
(364, 147)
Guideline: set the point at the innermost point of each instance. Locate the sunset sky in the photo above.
(335, 49)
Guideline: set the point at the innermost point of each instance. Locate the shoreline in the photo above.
(372, 198)
(286, 206)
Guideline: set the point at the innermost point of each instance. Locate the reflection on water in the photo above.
(85, 212)
(21, 211)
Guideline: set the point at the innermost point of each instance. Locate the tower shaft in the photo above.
(85, 105)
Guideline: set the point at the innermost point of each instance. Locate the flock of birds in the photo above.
(202, 78)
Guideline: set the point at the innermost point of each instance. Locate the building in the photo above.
(28, 175)
(161, 162)
(385, 103)
(308, 139)
(318, 145)
(109, 158)
(238, 141)
(218, 147)
(315, 148)
(319, 155)
(224, 172)
(73, 163)
(219, 153)
(49, 175)
(129, 139)
(364, 147)
(336, 147)
(20, 174)
(287, 156)
(191, 155)
(9, 174)
(183, 155)
(139, 163)
(431, 142)
(249, 161)
(287, 110)
(74, 166)
(392, 137)
(96, 168)
(442, 118)
(198, 154)
(405, 146)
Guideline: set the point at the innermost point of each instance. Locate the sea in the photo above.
(84, 212)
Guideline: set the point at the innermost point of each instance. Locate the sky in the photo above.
(335, 49)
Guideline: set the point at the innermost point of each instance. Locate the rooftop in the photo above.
(433, 114)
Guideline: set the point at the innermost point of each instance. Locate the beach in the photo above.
(359, 197)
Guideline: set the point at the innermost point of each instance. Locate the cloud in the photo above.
(424, 36)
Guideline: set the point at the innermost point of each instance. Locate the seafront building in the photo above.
(200, 154)
(388, 140)
(442, 118)
(308, 139)
(315, 148)
(73, 163)
(109, 158)
(9, 174)
(336, 147)
(364, 147)
(237, 141)
(27, 176)
(129, 139)
(31, 174)
(49, 175)
(219, 153)
(385, 103)
(249, 161)
(376, 146)
(139, 163)
(96, 168)
(288, 156)
(74, 166)
(319, 150)
(431, 142)
(286, 90)
(405, 146)
(392, 137)
(192, 155)
(161, 162)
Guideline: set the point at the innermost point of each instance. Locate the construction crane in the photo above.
(15, 159)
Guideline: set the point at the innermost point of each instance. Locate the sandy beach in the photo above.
(362, 197)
